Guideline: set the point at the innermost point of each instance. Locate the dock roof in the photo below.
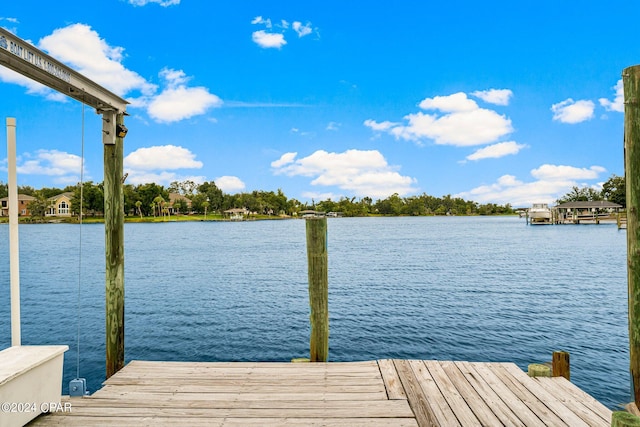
(602, 204)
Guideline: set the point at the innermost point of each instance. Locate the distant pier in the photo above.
(582, 212)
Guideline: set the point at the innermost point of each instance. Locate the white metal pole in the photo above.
(14, 254)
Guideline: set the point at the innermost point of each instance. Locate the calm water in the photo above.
(453, 288)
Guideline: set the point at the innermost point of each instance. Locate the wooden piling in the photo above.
(317, 257)
(631, 81)
(560, 365)
(114, 250)
(538, 370)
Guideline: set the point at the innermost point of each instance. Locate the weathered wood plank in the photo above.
(49, 420)
(382, 409)
(423, 413)
(395, 408)
(580, 409)
(528, 417)
(470, 395)
(391, 379)
(432, 394)
(567, 389)
(488, 395)
(172, 387)
(374, 383)
(518, 388)
(138, 393)
(534, 387)
(457, 404)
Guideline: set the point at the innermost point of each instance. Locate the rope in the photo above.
(80, 244)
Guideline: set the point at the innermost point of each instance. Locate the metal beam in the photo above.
(25, 59)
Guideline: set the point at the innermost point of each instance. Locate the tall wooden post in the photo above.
(631, 80)
(114, 241)
(318, 288)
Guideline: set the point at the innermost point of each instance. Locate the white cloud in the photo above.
(463, 123)
(261, 20)
(63, 167)
(551, 182)
(362, 173)
(494, 96)
(156, 164)
(333, 126)
(498, 150)
(163, 157)
(82, 48)
(229, 184)
(33, 87)
(163, 3)
(302, 30)
(268, 40)
(618, 102)
(570, 111)
(455, 103)
(379, 126)
(177, 101)
(561, 172)
(285, 159)
(275, 40)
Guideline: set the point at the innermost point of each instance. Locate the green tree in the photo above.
(159, 204)
(147, 193)
(38, 206)
(138, 204)
(185, 188)
(92, 199)
(584, 194)
(27, 189)
(211, 192)
(181, 206)
(615, 190)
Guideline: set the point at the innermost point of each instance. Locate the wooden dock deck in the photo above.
(372, 393)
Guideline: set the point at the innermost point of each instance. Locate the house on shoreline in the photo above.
(59, 205)
(23, 205)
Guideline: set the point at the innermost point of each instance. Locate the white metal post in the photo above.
(14, 250)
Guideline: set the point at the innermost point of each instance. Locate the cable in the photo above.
(80, 244)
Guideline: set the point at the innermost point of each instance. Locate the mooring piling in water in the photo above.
(317, 257)
(560, 366)
(631, 83)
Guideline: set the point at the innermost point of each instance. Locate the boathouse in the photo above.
(595, 210)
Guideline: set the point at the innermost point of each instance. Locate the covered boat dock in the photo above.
(585, 212)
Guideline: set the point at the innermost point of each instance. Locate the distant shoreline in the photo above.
(200, 218)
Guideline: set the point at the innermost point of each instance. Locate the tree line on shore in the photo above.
(151, 199)
(613, 190)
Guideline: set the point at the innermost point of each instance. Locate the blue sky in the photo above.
(498, 101)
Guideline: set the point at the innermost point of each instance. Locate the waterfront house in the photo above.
(59, 205)
(173, 198)
(23, 205)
